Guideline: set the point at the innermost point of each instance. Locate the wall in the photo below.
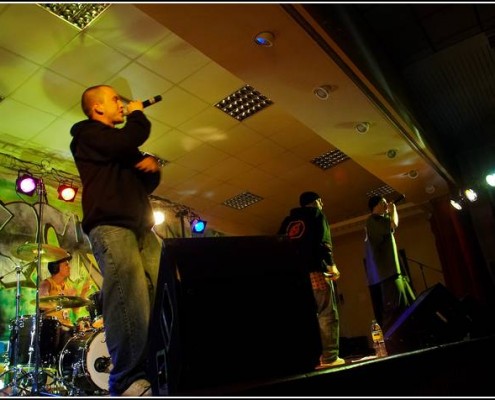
(61, 228)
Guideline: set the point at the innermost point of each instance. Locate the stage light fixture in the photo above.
(198, 225)
(26, 183)
(471, 195)
(159, 217)
(456, 203)
(490, 179)
(67, 192)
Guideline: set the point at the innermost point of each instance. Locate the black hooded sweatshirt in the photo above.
(310, 225)
(114, 191)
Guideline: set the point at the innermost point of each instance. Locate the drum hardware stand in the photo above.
(36, 342)
(18, 269)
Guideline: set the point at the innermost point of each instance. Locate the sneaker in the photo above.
(141, 387)
(337, 361)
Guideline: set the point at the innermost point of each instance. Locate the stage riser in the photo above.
(458, 369)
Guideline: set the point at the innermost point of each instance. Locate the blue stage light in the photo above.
(198, 225)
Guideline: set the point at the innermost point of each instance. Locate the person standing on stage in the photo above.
(390, 291)
(117, 179)
(309, 224)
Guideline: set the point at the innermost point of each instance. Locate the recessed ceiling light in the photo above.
(413, 174)
(430, 189)
(242, 200)
(79, 15)
(264, 39)
(392, 153)
(330, 159)
(381, 191)
(323, 92)
(243, 103)
(362, 127)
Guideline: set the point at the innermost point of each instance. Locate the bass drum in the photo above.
(85, 361)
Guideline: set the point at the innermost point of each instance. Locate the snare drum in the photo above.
(85, 361)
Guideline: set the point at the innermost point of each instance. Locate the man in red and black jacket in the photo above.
(309, 224)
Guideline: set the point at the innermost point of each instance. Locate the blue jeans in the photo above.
(328, 319)
(130, 272)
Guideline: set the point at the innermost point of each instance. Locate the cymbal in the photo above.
(61, 301)
(29, 252)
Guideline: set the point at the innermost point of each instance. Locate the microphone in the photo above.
(399, 199)
(151, 101)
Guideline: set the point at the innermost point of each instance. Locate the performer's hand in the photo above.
(133, 106)
(332, 273)
(148, 164)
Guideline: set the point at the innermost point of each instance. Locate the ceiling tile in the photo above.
(49, 92)
(251, 180)
(17, 69)
(210, 125)
(173, 175)
(197, 186)
(228, 168)
(177, 107)
(40, 45)
(127, 29)
(58, 135)
(136, 82)
(96, 62)
(202, 157)
(173, 58)
(23, 128)
(261, 152)
(281, 163)
(212, 83)
(238, 139)
(173, 145)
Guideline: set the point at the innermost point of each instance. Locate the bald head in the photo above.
(92, 95)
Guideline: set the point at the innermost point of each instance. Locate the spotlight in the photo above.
(67, 192)
(26, 183)
(264, 39)
(159, 217)
(490, 179)
(456, 203)
(471, 195)
(198, 225)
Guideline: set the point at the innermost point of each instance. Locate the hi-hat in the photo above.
(61, 301)
(29, 252)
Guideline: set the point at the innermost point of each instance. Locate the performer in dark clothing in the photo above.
(308, 224)
(390, 291)
(117, 216)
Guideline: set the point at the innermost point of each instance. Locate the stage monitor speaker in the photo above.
(436, 317)
(231, 310)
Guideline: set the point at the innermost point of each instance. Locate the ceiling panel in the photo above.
(194, 55)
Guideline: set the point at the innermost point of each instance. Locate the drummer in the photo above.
(59, 284)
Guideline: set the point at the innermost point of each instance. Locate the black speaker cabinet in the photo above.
(231, 310)
(436, 317)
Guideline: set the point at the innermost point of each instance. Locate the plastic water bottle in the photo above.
(378, 339)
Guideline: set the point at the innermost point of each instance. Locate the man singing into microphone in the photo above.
(117, 217)
(389, 288)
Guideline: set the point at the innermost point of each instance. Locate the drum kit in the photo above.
(46, 357)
